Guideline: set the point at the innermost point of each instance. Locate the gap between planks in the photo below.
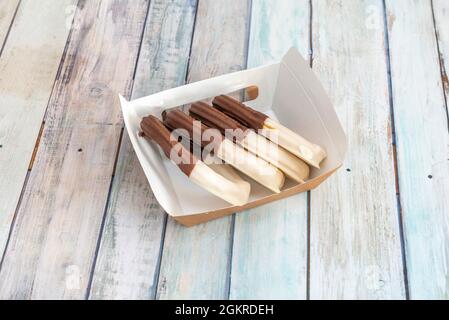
(41, 130)
(208, 58)
(38, 139)
(395, 156)
(352, 246)
(394, 146)
(309, 194)
(278, 270)
(164, 226)
(130, 62)
(233, 218)
(58, 74)
(411, 24)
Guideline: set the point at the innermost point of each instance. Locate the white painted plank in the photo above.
(195, 261)
(441, 11)
(275, 28)
(28, 67)
(7, 11)
(355, 248)
(54, 240)
(127, 266)
(422, 145)
(269, 257)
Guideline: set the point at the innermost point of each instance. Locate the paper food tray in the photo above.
(289, 91)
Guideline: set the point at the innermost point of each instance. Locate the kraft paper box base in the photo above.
(289, 91)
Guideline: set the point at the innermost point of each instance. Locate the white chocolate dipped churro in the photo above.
(311, 153)
(231, 190)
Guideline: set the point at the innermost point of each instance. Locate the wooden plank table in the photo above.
(78, 219)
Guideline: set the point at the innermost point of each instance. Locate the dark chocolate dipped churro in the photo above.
(228, 188)
(292, 166)
(311, 153)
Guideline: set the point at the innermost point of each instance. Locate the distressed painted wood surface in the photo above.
(28, 67)
(195, 261)
(128, 259)
(8, 10)
(269, 257)
(54, 240)
(77, 236)
(355, 247)
(441, 12)
(422, 145)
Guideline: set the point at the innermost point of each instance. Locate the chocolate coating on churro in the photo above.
(177, 119)
(215, 119)
(153, 129)
(237, 110)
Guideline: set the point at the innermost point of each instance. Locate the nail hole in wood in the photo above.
(80, 150)
(430, 176)
(349, 170)
(1, 146)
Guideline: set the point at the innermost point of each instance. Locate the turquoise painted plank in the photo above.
(422, 144)
(269, 257)
(355, 240)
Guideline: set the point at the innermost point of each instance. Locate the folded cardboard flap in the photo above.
(288, 91)
(191, 220)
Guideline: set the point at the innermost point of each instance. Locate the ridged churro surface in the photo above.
(177, 119)
(237, 110)
(153, 129)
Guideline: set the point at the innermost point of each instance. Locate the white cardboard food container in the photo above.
(289, 91)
